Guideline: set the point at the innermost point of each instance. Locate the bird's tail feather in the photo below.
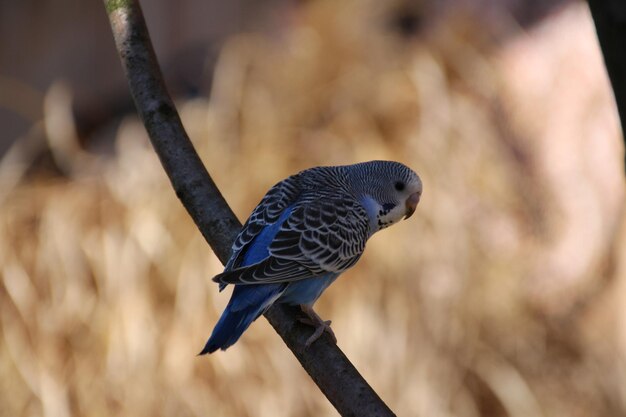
(246, 305)
(229, 328)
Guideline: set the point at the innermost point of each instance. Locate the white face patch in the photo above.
(386, 216)
(382, 216)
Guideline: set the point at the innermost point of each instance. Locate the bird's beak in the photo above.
(411, 204)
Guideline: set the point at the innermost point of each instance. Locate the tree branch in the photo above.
(609, 17)
(331, 370)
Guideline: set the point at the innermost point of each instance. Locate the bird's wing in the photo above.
(320, 235)
(267, 212)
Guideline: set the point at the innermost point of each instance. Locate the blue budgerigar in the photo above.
(306, 231)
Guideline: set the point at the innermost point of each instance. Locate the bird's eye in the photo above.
(399, 185)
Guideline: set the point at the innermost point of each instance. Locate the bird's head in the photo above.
(389, 191)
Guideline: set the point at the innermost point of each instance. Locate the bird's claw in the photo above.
(308, 321)
(316, 321)
(320, 328)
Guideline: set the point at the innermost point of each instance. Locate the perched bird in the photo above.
(308, 229)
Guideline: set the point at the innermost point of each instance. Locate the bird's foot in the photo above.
(320, 325)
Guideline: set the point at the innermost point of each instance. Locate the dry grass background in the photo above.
(502, 296)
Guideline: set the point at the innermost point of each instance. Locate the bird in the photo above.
(307, 230)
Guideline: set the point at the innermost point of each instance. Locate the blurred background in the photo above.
(504, 295)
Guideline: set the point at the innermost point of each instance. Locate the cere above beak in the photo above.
(411, 204)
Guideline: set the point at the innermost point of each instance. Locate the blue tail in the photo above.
(229, 328)
(246, 304)
(248, 301)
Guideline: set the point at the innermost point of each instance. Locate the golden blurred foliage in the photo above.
(502, 296)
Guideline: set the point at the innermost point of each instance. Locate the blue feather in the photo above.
(307, 291)
(247, 302)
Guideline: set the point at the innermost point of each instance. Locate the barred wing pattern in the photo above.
(279, 197)
(324, 233)
(327, 235)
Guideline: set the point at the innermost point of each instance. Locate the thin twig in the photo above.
(331, 370)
